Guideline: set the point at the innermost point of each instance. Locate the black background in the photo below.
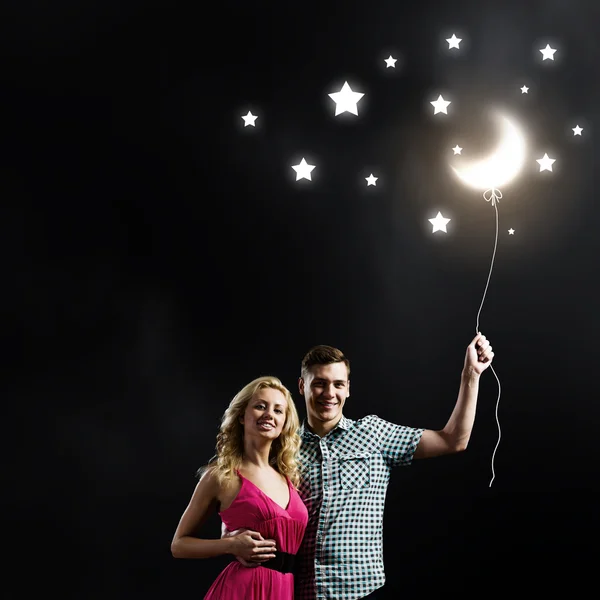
(157, 256)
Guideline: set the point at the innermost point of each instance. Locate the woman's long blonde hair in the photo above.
(230, 439)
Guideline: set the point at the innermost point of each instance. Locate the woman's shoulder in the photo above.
(224, 487)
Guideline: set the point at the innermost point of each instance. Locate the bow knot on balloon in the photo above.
(492, 195)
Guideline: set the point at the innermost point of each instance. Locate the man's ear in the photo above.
(301, 386)
(348, 396)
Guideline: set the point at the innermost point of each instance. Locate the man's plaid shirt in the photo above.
(345, 476)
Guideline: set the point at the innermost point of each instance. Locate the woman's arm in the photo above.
(249, 545)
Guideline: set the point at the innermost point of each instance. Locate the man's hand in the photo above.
(249, 547)
(479, 355)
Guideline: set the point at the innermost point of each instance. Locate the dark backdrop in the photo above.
(157, 256)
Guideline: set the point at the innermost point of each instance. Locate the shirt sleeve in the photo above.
(397, 442)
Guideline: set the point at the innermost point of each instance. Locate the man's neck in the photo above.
(321, 428)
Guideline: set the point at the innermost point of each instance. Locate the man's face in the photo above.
(325, 389)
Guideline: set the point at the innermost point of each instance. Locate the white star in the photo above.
(249, 119)
(453, 42)
(548, 52)
(524, 89)
(371, 180)
(346, 100)
(303, 170)
(439, 223)
(457, 149)
(546, 163)
(440, 105)
(390, 62)
(577, 130)
(511, 232)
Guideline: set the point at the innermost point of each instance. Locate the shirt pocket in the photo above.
(355, 470)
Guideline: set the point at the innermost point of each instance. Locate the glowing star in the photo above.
(453, 42)
(546, 163)
(511, 232)
(346, 100)
(371, 180)
(303, 170)
(249, 119)
(547, 52)
(390, 62)
(440, 105)
(502, 165)
(457, 149)
(524, 90)
(577, 130)
(439, 223)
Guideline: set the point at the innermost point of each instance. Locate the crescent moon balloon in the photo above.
(502, 165)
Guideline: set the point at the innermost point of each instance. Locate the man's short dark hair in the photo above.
(323, 355)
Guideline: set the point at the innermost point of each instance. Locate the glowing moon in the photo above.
(502, 165)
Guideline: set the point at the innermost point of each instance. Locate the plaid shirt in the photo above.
(345, 476)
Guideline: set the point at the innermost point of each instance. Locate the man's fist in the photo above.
(479, 354)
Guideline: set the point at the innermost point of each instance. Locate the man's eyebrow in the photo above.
(334, 381)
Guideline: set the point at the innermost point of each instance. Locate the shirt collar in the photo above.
(306, 433)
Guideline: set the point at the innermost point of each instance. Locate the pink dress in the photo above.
(253, 509)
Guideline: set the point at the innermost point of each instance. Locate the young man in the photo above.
(346, 467)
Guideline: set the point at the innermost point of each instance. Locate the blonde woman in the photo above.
(252, 483)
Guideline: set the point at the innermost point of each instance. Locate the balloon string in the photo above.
(494, 196)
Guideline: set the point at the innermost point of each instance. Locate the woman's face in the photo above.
(264, 417)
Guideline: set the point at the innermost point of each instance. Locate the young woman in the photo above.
(252, 483)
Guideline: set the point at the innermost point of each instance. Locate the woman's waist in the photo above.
(287, 538)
